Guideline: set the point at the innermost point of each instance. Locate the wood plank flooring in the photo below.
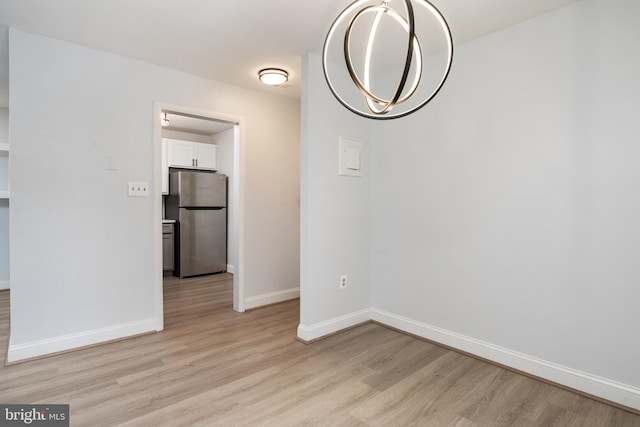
(212, 366)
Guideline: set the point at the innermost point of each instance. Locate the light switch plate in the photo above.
(350, 157)
(138, 189)
(112, 163)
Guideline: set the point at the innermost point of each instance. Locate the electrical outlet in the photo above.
(138, 189)
(343, 281)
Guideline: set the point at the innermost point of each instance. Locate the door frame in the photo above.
(238, 196)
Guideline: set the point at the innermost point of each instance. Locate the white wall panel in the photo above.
(82, 252)
(507, 209)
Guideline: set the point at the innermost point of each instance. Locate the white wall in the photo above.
(506, 211)
(334, 212)
(504, 215)
(4, 203)
(225, 141)
(82, 252)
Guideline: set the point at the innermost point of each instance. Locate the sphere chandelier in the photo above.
(351, 78)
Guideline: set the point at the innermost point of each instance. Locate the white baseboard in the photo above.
(28, 350)
(230, 269)
(271, 298)
(587, 383)
(319, 330)
(4, 284)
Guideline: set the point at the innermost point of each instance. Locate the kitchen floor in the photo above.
(204, 295)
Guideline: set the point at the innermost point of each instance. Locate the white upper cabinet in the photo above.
(192, 155)
(180, 153)
(206, 156)
(165, 167)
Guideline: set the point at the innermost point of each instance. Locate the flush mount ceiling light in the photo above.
(273, 76)
(164, 119)
(380, 83)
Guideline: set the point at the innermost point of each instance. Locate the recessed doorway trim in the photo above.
(238, 195)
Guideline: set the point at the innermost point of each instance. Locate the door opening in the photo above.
(183, 132)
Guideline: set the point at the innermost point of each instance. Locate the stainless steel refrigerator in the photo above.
(198, 202)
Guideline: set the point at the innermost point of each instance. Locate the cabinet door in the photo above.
(206, 156)
(165, 167)
(181, 154)
(167, 252)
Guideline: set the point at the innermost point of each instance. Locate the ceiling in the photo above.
(225, 41)
(194, 124)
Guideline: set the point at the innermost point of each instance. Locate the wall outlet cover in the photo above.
(343, 281)
(138, 189)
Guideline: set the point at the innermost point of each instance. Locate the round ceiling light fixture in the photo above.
(273, 76)
(365, 84)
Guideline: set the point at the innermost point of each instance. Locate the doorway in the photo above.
(225, 132)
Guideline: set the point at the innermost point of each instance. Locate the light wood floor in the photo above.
(214, 367)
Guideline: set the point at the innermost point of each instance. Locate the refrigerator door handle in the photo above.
(202, 208)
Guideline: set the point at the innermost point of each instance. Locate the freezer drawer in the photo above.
(198, 189)
(202, 241)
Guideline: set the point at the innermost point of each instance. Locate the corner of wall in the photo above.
(335, 215)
